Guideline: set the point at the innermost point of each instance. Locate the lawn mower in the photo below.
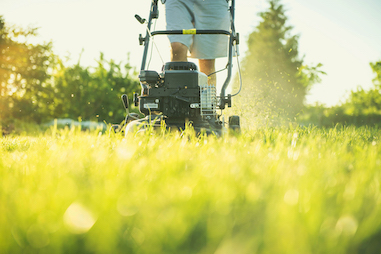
(180, 94)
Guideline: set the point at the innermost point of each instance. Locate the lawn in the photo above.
(269, 190)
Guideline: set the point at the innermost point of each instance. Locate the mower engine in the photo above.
(180, 92)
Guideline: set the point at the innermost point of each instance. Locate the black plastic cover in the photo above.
(149, 77)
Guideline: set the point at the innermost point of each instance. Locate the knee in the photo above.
(179, 51)
(207, 66)
(178, 47)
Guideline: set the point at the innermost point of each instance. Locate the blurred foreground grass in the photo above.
(272, 190)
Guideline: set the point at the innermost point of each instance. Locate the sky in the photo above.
(343, 35)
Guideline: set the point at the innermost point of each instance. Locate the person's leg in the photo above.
(178, 52)
(179, 15)
(207, 66)
(211, 15)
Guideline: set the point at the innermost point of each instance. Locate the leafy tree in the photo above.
(23, 71)
(92, 93)
(36, 86)
(276, 81)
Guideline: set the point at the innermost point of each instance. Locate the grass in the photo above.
(270, 190)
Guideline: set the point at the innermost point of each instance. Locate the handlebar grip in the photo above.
(140, 19)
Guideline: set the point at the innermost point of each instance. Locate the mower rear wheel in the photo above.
(234, 123)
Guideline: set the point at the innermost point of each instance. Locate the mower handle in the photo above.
(154, 14)
(190, 31)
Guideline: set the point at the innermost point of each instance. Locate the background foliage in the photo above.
(36, 86)
(23, 73)
(363, 107)
(275, 77)
(92, 93)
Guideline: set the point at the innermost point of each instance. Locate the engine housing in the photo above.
(179, 92)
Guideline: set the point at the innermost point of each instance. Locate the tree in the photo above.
(275, 79)
(23, 71)
(92, 93)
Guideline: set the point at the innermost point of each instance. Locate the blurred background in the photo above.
(74, 58)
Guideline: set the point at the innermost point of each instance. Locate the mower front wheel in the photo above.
(115, 128)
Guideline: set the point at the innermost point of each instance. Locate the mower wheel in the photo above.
(234, 123)
(115, 128)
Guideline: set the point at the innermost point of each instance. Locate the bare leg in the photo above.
(207, 66)
(178, 52)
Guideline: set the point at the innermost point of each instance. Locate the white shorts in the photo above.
(199, 14)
